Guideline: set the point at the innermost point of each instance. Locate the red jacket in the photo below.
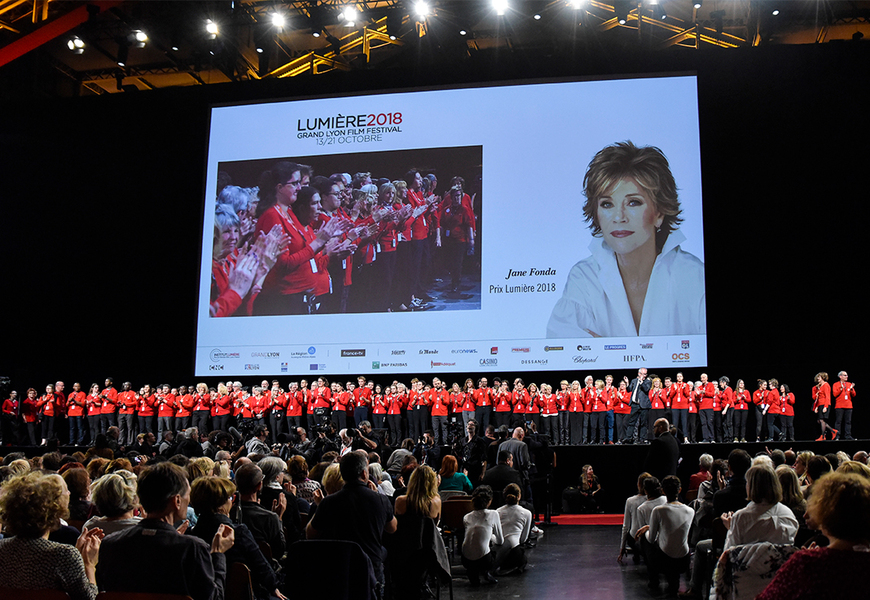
(843, 394)
(622, 405)
(75, 404)
(127, 402)
(523, 402)
(678, 394)
(503, 402)
(109, 398)
(298, 269)
(786, 405)
(549, 404)
(483, 397)
(822, 395)
(166, 405)
(706, 394)
(657, 397)
(439, 402)
(146, 405)
(742, 400)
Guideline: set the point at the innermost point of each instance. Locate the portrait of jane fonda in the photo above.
(637, 281)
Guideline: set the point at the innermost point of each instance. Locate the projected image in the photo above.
(637, 280)
(373, 232)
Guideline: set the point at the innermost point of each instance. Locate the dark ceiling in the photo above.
(35, 59)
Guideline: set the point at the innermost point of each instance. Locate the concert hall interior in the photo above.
(107, 180)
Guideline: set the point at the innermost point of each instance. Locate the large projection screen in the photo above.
(547, 292)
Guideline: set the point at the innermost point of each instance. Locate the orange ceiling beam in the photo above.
(51, 30)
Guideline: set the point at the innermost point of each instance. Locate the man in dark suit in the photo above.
(664, 452)
(499, 476)
(638, 389)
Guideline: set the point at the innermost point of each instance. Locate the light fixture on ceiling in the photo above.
(76, 45)
(211, 29)
(138, 38)
(500, 7)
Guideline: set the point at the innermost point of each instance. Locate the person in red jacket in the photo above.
(108, 406)
(321, 402)
(693, 400)
(521, 400)
(29, 414)
(726, 402)
(379, 408)
(678, 394)
(549, 407)
(184, 408)
(588, 395)
(844, 391)
(299, 273)
(439, 405)
(166, 405)
(759, 398)
(11, 416)
(621, 409)
(395, 402)
(201, 408)
(822, 405)
(706, 393)
(126, 401)
(658, 398)
(343, 401)
(93, 408)
(483, 397)
(146, 407)
(75, 410)
(362, 401)
(223, 408)
(786, 412)
(563, 400)
(503, 405)
(295, 402)
(598, 414)
(46, 407)
(742, 400)
(772, 410)
(456, 220)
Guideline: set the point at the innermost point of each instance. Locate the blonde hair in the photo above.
(422, 488)
(763, 485)
(208, 494)
(115, 493)
(840, 504)
(332, 480)
(32, 504)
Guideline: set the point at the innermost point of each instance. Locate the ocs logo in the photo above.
(680, 356)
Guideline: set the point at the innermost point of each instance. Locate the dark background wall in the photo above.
(101, 209)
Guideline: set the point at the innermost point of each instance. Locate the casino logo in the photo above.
(358, 352)
(488, 362)
(553, 348)
(218, 355)
(614, 346)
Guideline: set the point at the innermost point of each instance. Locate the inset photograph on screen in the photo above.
(362, 232)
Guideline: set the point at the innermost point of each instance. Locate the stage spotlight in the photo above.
(139, 38)
(463, 32)
(211, 29)
(697, 3)
(421, 9)
(76, 44)
(621, 9)
(576, 4)
(775, 12)
(499, 6)
(537, 17)
(315, 32)
(349, 14)
(278, 20)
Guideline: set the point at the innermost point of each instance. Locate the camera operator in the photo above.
(326, 440)
(364, 439)
(427, 452)
(257, 443)
(302, 442)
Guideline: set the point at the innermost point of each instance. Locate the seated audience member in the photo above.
(78, 483)
(31, 506)
(852, 466)
(356, 513)
(265, 525)
(840, 506)
(861, 456)
(817, 467)
(421, 497)
(186, 564)
(212, 499)
(482, 528)
(502, 474)
(666, 538)
(450, 478)
(332, 480)
(765, 518)
(305, 487)
(732, 496)
(703, 474)
(629, 521)
(516, 524)
(115, 498)
(383, 481)
(791, 493)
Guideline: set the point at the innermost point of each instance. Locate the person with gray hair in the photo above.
(279, 494)
(115, 497)
(703, 474)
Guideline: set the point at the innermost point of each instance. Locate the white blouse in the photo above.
(482, 527)
(594, 298)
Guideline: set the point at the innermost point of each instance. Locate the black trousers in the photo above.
(707, 424)
(693, 427)
(843, 421)
(681, 421)
(740, 424)
(576, 424)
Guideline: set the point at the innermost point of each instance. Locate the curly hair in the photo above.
(32, 504)
(840, 504)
